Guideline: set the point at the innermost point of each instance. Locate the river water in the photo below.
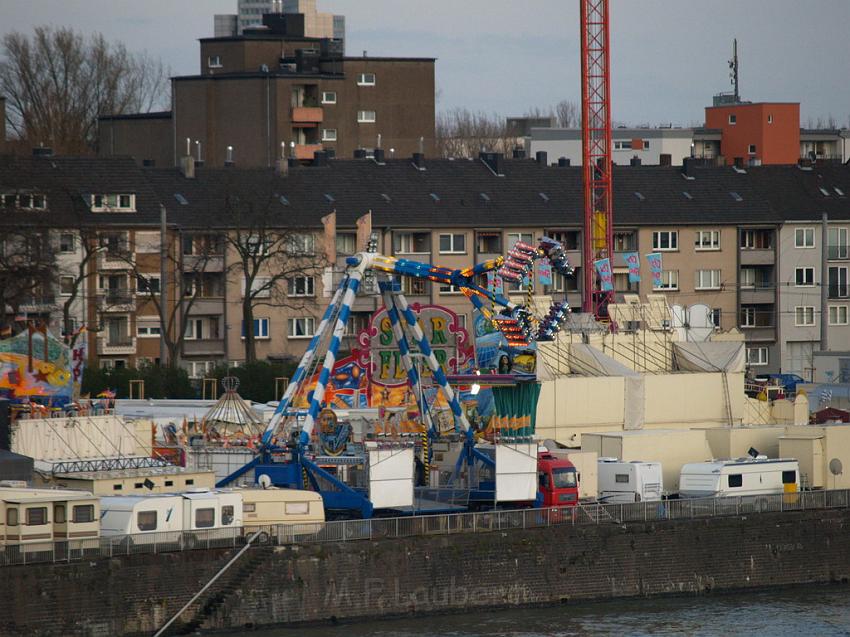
(793, 612)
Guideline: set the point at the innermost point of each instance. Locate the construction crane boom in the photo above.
(596, 151)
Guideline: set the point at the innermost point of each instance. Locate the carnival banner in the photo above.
(632, 260)
(544, 272)
(654, 260)
(606, 276)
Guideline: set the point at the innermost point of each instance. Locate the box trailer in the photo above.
(634, 481)
(741, 477)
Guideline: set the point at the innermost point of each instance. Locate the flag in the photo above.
(606, 276)
(544, 272)
(491, 281)
(632, 260)
(329, 224)
(654, 260)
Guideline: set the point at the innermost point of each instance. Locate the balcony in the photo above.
(38, 303)
(203, 347)
(115, 260)
(206, 306)
(305, 152)
(758, 256)
(307, 116)
(110, 346)
(200, 263)
(759, 333)
(758, 295)
(116, 301)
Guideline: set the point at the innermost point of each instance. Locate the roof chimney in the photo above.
(634, 161)
(665, 159)
(493, 161)
(542, 157)
(187, 167)
(228, 158)
(739, 163)
(42, 151)
(320, 158)
(379, 155)
(419, 161)
(563, 162)
(360, 153)
(519, 153)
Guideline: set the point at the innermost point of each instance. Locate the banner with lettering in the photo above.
(606, 276)
(654, 260)
(633, 263)
(544, 272)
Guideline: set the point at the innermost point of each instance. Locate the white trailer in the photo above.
(624, 482)
(741, 477)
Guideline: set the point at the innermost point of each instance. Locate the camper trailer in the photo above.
(36, 518)
(169, 516)
(266, 507)
(741, 477)
(624, 482)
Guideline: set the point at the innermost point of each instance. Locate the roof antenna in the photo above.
(733, 69)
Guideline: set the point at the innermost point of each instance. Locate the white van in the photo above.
(741, 477)
(624, 482)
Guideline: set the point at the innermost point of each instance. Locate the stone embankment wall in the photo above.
(134, 595)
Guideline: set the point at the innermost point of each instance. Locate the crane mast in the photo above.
(596, 151)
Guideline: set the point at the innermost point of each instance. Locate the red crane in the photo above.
(596, 151)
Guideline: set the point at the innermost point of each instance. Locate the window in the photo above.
(190, 481)
(449, 289)
(260, 287)
(169, 483)
(623, 242)
(301, 243)
(665, 240)
(201, 369)
(66, 285)
(770, 119)
(113, 203)
(748, 277)
(804, 277)
(752, 149)
(249, 507)
(733, 119)
(517, 237)
(328, 134)
(115, 487)
(789, 477)
(366, 79)
(356, 323)
(303, 327)
(204, 518)
(66, 242)
(707, 280)
(261, 328)
(756, 239)
(411, 242)
(838, 315)
(59, 514)
(707, 240)
(804, 238)
(346, 243)
(735, 480)
(366, 117)
(214, 61)
(296, 508)
(452, 244)
(301, 286)
(148, 327)
(716, 317)
(669, 280)
(256, 245)
(147, 283)
(489, 242)
(83, 513)
(227, 515)
(838, 282)
(12, 517)
(36, 516)
(621, 478)
(189, 244)
(838, 246)
(328, 97)
(414, 287)
(804, 315)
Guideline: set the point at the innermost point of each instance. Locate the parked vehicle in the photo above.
(35, 518)
(741, 477)
(304, 510)
(557, 480)
(625, 482)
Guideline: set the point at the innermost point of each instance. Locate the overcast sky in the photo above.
(668, 57)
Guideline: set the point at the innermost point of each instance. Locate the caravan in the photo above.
(741, 477)
(35, 518)
(624, 482)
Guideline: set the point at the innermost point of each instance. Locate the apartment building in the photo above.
(744, 243)
(250, 16)
(278, 91)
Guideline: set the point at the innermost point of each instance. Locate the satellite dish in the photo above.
(264, 481)
(835, 467)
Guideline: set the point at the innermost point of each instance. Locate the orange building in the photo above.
(764, 131)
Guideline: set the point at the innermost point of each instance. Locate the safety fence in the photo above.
(423, 525)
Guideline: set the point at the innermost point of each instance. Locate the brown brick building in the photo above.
(265, 89)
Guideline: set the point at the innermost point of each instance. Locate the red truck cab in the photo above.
(557, 481)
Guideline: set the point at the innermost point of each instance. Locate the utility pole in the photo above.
(163, 284)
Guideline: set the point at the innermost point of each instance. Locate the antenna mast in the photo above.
(733, 69)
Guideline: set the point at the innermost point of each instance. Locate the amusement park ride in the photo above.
(376, 476)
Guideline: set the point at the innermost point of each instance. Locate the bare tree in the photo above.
(276, 266)
(568, 114)
(27, 266)
(78, 274)
(463, 133)
(58, 83)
